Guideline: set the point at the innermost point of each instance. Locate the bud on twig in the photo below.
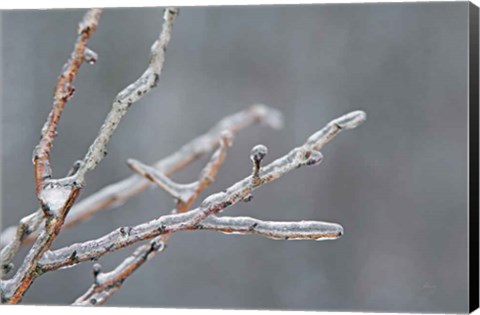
(256, 155)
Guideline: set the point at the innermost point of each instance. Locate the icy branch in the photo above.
(301, 156)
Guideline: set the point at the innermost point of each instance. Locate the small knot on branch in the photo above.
(256, 155)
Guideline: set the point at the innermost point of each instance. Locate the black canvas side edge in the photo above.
(473, 158)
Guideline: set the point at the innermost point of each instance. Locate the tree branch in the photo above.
(214, 204)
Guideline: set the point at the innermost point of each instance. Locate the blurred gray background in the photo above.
(397, 184)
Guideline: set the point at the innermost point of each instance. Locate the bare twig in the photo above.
(57, 196)
(306, 154)
(117, 193)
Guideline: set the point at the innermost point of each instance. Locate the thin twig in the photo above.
(306, 154)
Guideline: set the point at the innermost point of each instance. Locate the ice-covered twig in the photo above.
(131, 94)
(58, 196)
(117, 193)
(306, 154)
